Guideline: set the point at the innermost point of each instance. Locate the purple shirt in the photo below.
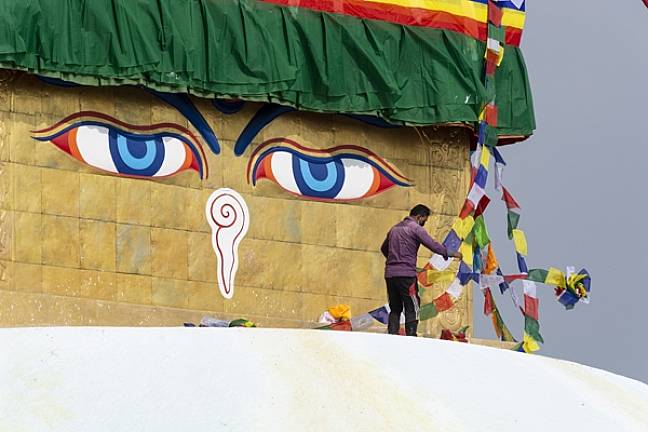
(401, 248)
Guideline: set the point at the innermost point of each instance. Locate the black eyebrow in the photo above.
(269, 112)
(179, 101)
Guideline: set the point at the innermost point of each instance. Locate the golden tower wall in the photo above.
(79, 246)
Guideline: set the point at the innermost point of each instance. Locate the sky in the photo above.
(579, 181)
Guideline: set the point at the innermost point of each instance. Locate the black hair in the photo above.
(420, 210)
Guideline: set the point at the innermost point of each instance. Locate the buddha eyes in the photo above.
(133, 151)
(342, 173)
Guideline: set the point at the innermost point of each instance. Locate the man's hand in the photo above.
(457, 254)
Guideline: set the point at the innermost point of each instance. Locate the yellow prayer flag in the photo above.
(467, 252)
(463, 226)
(340, 312)
(434, 276)
(485, 157)
(482, 115)
(520, 242)
(500, 55)
(529, 344)
(555, 277)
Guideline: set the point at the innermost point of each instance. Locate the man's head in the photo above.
(420, 213)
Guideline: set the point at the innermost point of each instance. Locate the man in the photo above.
(401, 248)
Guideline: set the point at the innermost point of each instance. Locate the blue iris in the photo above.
(136, 155)
(319, 179)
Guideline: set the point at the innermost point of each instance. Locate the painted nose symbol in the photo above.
(229, 218)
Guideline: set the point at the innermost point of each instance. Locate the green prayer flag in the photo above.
(507, 336)
(537, 275)
(512, 219)
(427, 311)
(481, 233)
(496, 33)
(491, 137)
(532, 328)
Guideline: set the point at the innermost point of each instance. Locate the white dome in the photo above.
(238, 379)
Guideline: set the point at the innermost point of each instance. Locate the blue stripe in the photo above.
(505, 4)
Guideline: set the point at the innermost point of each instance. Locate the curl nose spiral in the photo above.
(229, 218)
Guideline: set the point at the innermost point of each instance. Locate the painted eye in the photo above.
(112, 146)
(340, 174)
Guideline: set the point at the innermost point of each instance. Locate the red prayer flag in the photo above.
(495, 13)
(467, 208)
(531, 305)
(509, 200)
(488, 302)
(646, 2)
(491, 66)
(491, 115)
(510, 278)
(342, 326)
(483, 203)
(443, 302)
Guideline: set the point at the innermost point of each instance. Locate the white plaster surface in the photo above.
(212, 379)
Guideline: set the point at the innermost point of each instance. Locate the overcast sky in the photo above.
(580, 180)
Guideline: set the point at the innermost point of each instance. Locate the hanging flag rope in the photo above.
(469, 234)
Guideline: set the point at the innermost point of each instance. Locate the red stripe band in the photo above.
(404, 16)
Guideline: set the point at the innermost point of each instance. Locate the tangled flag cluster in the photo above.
(469, 235)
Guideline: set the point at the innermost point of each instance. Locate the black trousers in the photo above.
(403, 295)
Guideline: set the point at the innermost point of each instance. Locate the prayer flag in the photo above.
(530, 345)
(491, 112)
(475, 195)
(443, 302)
(512, 219)
(361, 322)
(481, 233)
(555, 277)
(427, 311)
(498, 156)
(520, 241)
(381, 315)
(481, 176)
(439, 263)
(467, 252)
(491, 260)
(452, 241)
(455, 289)
(509, 200)
(467, 208)
(532, 328)
(485, 158)
(481, 207)
(537, 275)
(531, 306)
(495, 13)
(488, 301)
(522, 266)
(504, 285)
(463, 226)
(529, 288)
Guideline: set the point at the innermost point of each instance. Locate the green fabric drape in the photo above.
(261, 52)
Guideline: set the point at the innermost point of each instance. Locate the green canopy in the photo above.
(257, 51)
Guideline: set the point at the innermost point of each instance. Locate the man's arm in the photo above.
(430, 243)
(385, 246)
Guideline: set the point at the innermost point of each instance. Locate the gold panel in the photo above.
(79, 246)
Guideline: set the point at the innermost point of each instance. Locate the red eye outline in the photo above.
(385, 175)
